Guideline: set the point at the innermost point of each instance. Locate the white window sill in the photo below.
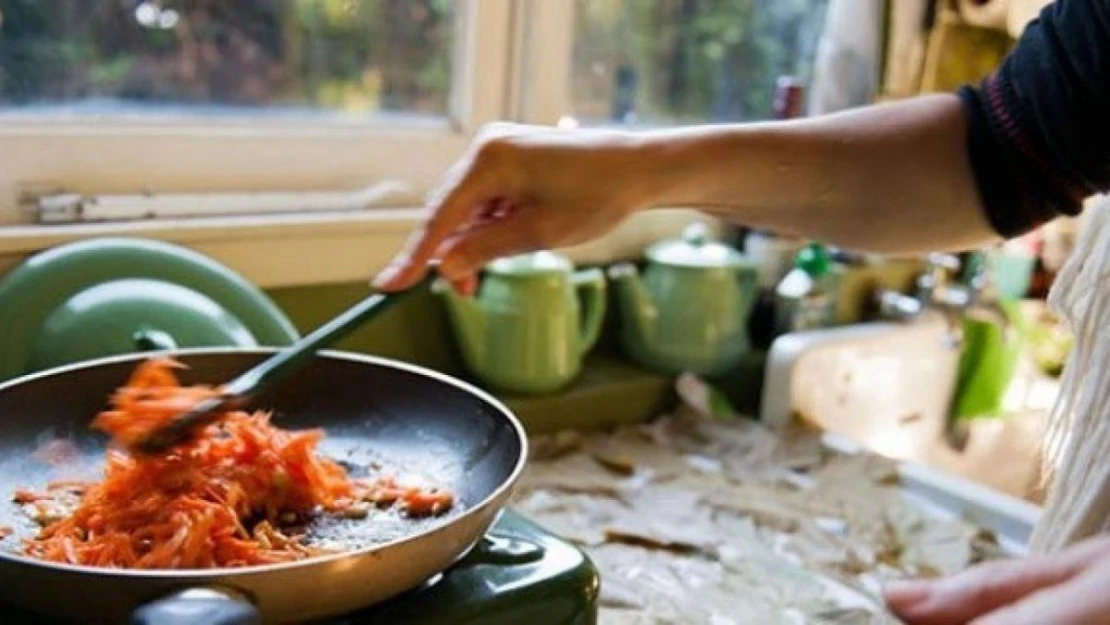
(321, 248)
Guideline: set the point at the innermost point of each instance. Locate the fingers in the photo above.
(467, 285)
(514, 232)
(983, 589)
(1081, 601)
(468, 186)
(959, 599)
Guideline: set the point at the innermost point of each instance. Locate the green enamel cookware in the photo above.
(688, 311)
(531, 323)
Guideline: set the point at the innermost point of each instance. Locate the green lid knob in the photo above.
(152, 339)
(814, 260)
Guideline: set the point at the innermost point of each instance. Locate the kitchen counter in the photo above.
(698, 520)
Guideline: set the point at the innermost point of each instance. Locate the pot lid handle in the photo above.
(153, 339)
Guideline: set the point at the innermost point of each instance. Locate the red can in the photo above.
(789, 98)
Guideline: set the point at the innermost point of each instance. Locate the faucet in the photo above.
(956, 297)
(938, 289)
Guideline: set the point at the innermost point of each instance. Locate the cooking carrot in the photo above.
(25, 496)
(424, 503)
(218, 500)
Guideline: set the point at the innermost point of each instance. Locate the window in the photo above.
(293, 58)
(687, 61)
(150, 97)
(183, 111)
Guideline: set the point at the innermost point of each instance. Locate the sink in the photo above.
(886, 386)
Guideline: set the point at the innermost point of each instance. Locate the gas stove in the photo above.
(520, 573)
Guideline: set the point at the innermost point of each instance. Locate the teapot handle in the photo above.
(590, 285)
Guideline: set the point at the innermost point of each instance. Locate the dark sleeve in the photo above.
(1039, 127)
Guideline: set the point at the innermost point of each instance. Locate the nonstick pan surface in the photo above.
(379, 415)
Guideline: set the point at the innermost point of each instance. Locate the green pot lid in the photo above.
(128, 315)
(533, 264)
(696, 248)
(108, 296)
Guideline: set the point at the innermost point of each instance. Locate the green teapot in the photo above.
(689, 311)
(531, 323)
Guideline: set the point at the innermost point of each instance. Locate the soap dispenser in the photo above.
(806, 298)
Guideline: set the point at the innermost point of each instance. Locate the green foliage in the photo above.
(693, 60)
(656, 60)
(347, 54)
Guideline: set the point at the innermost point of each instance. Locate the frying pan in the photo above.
(377, 413)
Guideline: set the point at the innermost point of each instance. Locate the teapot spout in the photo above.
(468, 321)
(638, 309)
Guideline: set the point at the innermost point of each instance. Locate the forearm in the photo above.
(891, 178)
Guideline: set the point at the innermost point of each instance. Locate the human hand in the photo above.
(520, 189)
(1065, 588)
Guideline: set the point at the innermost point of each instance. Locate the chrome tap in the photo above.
(936, 289)
(940, 288)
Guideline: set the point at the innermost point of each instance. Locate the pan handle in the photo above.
(198, 605)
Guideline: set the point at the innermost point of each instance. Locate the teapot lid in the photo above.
(531, 264)
(695, 249)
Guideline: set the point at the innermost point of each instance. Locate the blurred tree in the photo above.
(345, 54)
(32, 59)
(656, 60)
(690, 60)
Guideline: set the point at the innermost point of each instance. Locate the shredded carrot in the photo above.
(415, 500)
(219, 500)
(25, 496)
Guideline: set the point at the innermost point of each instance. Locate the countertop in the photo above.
(692, 519)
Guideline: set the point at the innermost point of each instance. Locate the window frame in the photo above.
(43, 153)
(505, 53)
(543, 45)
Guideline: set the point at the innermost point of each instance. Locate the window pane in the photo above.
(684, 61)
(350, 57)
